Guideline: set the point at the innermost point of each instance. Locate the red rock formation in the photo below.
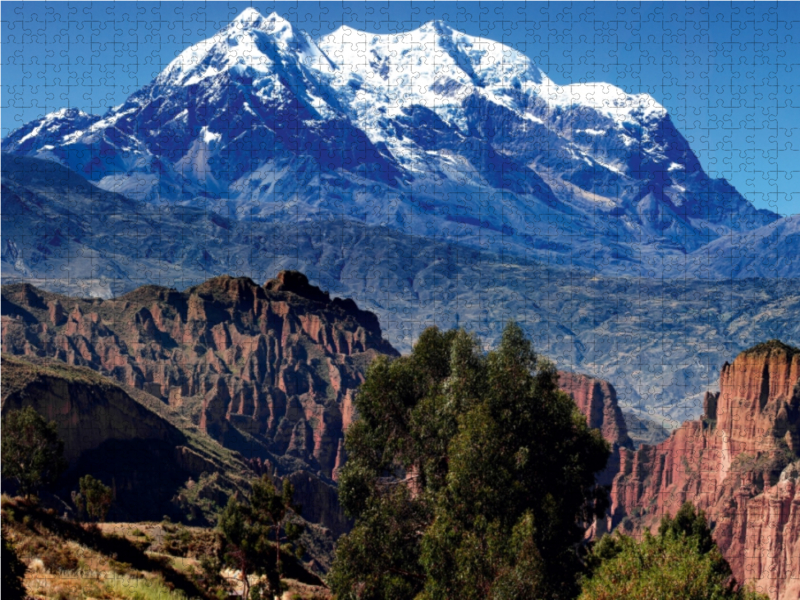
(597, 399)
(739, 463)
(279, 362)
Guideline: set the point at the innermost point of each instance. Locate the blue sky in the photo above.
(729, 73)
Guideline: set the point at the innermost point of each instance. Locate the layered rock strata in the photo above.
(740, 463)
(267, 370)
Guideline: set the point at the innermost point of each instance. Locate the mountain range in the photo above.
(434, 176)
(431, 132)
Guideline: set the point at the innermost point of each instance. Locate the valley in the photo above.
(181, 398)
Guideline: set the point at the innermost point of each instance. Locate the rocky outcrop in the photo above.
(597, 400)
(740, 463)
(267, 370)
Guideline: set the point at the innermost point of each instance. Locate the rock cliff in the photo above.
(740, 463)
(597, 400)
(268, 371)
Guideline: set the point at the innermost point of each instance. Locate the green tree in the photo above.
(94, 499)
(469, 474)
(13, 572)
(255, 532)
(681, 563)
(32, 452)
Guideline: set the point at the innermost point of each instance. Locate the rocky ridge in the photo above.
(740, 463)
(268, 371)
(597, 400)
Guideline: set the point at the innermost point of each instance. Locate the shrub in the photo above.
(681, 563)
(94, 498)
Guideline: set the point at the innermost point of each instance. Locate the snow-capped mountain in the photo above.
(428, 132)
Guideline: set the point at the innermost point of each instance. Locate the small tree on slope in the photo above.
(254, 532)
(32, 452)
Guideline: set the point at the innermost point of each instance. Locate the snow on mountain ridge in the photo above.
(431, 122)
(250, 42)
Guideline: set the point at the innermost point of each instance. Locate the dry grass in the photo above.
(66, 560)
(115, 561)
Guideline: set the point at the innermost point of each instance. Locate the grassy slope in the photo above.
(120, 561)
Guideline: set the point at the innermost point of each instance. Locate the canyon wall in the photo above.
(267, 370)
(740, 463)
(597, 400)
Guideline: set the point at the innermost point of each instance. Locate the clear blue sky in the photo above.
(729, 73)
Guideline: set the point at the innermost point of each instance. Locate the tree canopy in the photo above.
(469, 475)
(32, 452)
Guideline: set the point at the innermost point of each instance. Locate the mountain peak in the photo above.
(248, 15)
(250, 19)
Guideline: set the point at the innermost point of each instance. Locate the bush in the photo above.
(57, 558)
(94, 498)
(681, 563)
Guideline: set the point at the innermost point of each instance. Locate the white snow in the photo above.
(604, 98)
(209, 137)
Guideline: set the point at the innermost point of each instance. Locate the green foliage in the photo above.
(13, 571)
(210, 577)
(681, 563)
(254, 532)
(690, 523)
(139, 588)
(94, 499)
(470, 475)
(32, 452)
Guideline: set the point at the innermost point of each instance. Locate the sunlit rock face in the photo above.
(740, 463)
(267, 370)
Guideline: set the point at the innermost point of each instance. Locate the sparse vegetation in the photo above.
(71, 560)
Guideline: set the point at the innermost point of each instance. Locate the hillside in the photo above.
(158, 463)
(123, 561)
(659, 341)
